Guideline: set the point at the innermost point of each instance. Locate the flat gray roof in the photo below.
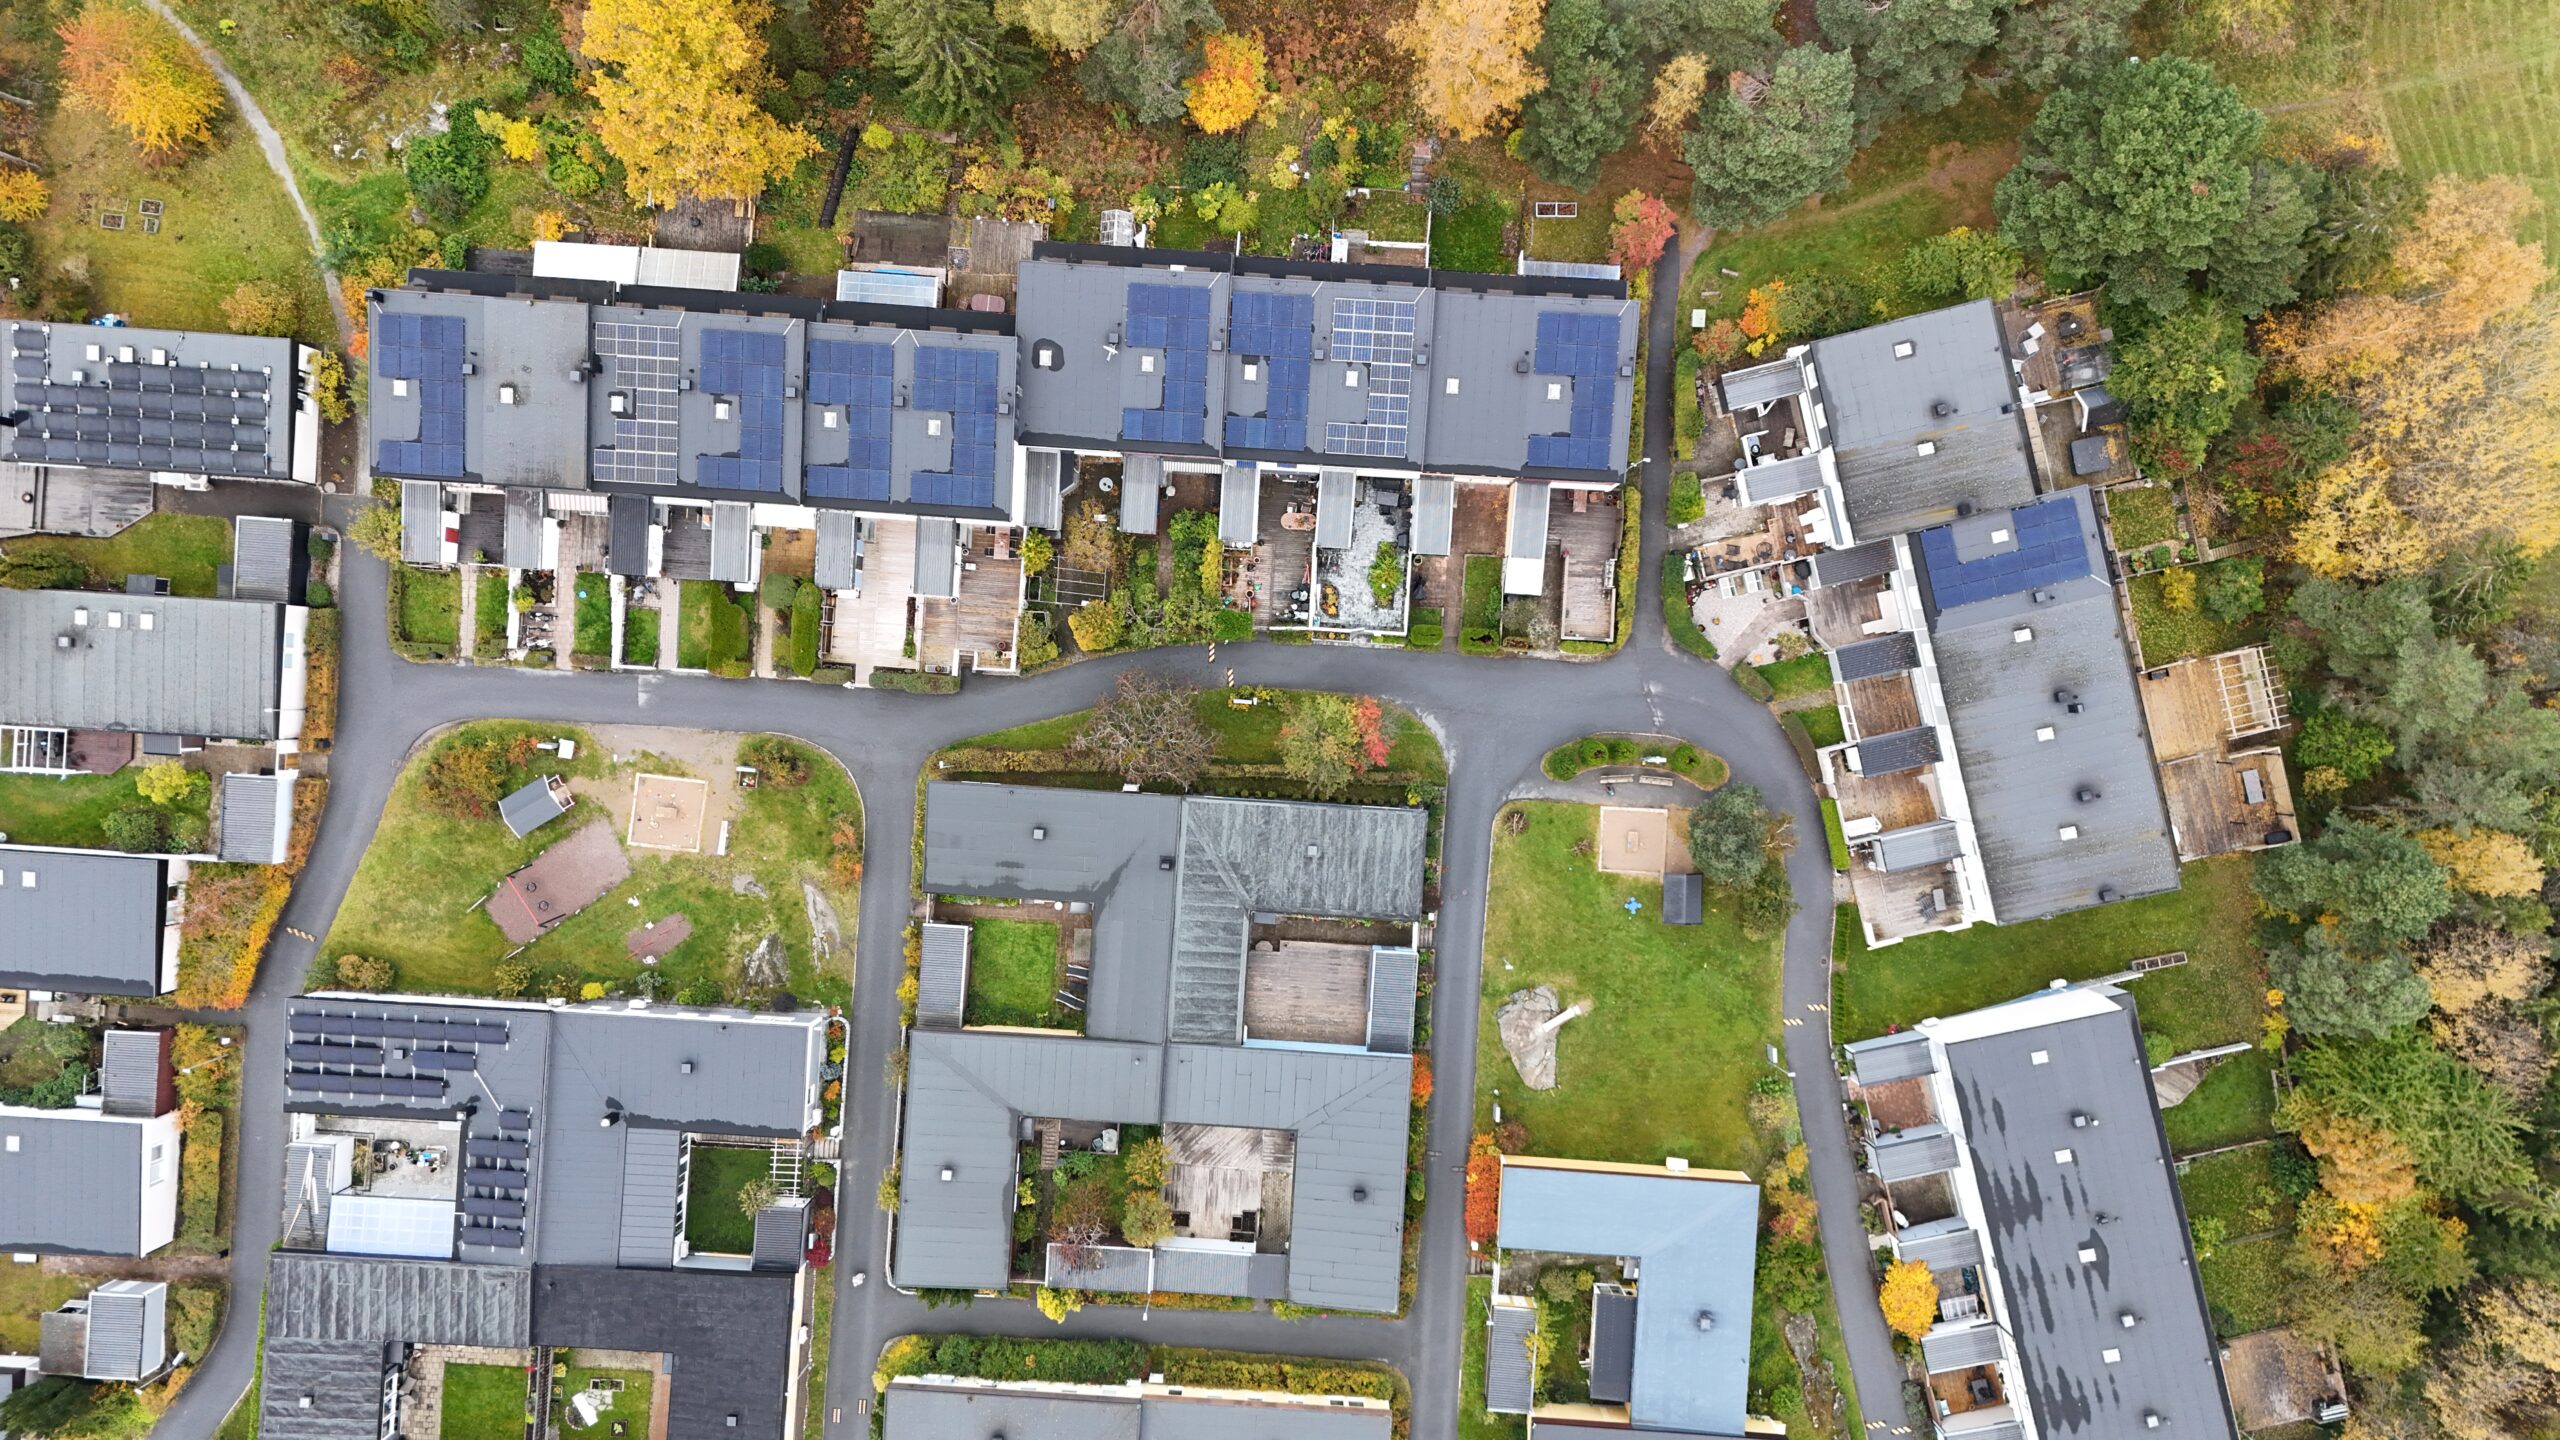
(1940, 379)
(440, 364)
(160, 664)
(71, 1182)
(940, 1408)
(194, 402)
(320, 1389)
(257, 818)
(87, 921)
(2117, 1194)
(262, 558)
(422, 522)
(1694, 1237)
(2072, 673)
(370, 1299)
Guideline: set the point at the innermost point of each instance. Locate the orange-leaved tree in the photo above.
(1228, 88)
(122, 62)
(1909, 1296)
(1471, 60)
(1644, 226)
(1484, 1190)
(1421, 1079)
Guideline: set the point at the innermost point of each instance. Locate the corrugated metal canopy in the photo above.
(1334, 491)
(1435, 500)
(1141, 493)
(1782, 479)
(261, 558)
(1239, 507)
(1949, 1348)
(1899, 1056)
(1761, 384)
(1920, 1150)
(839, 565)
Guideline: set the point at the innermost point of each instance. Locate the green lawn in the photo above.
(1821, 725)
(185, 550)
(1832, 242)
(1662, 1064)
(1804, 675)
(714, 627)
(40, 810)
(492, 611)
(1013, 970)
(484, 1402)
(2143, 516)
(1480, 611)
(1247, 736)
(2246, 1286)
(2238, 1188)
(1473, 1423)
(2236, 1102)
(639, 634)
(26, 1293)
(594, 615)
(713, 1220)
(416, 895)
(431, 607)
(630, 1403)
(2168, 634)
(2214, 999)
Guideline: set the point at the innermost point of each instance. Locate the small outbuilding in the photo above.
(544, 799)
(1684, 899)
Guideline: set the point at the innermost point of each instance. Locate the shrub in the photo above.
(1232, 627)
(805, 620)
(513, 977)
(465, 779)
(318, 595)
(449, 171)
(365, 972)
(1037, 551)
(778, 591)
(1097, 626)
(1688, 499)
(1146, 1218)
(137, 828)
(167, 782)
(781, 763)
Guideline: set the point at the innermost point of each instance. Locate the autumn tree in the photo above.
(1909, 1298)
(1759, 150)
(2485, 862)
(120, 61)
(23, 194)
(2504, 1044)
(1678, 87)
(376, 530)
(1146, 1218)
(2328, 991)
(1484, 1190)
(2046, 43)
(1143, 62)
(170, 782)
(1643, 230)
(1063, 27)
(1911, 55)
(675, 88)
(2466, 966)
(2457, 266)
(1320, 744)
(2361, 1163)
(1594, 87)
(2464, 1136)
(2503, 1378)
(259, 307)
(2140, 178)
(1147, 729)
(1471, 60)
(1228, 88)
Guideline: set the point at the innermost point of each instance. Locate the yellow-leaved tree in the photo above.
(519, 138)
(676, 87)
(2486, 862)
(1678, 89)
(1909, 1297)
(1228, 88)
(1471, 60)
(1069, 27)
(23, 194)
(2458, 267)
(122, 62)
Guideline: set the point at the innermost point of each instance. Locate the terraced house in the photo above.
(543, 422)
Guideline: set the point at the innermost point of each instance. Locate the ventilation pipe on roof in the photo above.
(1941, 408)
(1706, 1320)
(2086, 794)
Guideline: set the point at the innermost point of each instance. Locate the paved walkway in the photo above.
(1494, 735)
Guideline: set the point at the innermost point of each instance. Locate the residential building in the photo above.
(2024, 1161)
(944, 1407)
(173, 407)
(119, 1331)
(90, 922)
(1279, 1068)
(1669, 1348)
(144, 664)
(1995, 767)
(99, 1177)
(527, 1183)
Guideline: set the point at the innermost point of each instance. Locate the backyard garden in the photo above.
(1013, 973)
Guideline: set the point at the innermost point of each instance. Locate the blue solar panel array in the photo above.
(860, 377)
(1586, 348)
(2050, 551)
(750, 365)
(426, 351)
(1280, 331)
(1175, 320)
(962, 382)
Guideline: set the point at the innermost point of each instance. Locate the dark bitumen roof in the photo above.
(2047, 583)
(941, 1408)
(257, 817)
(72, 1181)
(1858, 562)
(629, 519)
(1692, 1235)
(145, 400)
(1613, 1345)
(2091, 455)
(1684, 899)
(1882, 406)
(320, 1390)
(262, 555)
(728, 1336)
(92, 923)
(159, 664)
(1884, 655)
(313, 1296)
(1510, 1382)
(2116, 1193)
(1897, 751)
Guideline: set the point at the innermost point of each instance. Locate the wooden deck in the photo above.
(1844, 614)
(2194, 708)
(1220, 1175)
(1586, 539)
(1894, 800)
(1883, 705)
(1307, 991)
(2209, 805)
(979, 624)
(871, 625)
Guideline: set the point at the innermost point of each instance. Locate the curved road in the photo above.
(1496, 717)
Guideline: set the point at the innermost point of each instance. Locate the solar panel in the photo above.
(2050, 550)
(1379, 334)
(962, 383)
(860, 377)
(640, 362)
(1585, 348)
(748, 365)
(427, 351)
(361, 1224)
(1279, 331)
(1175, 320)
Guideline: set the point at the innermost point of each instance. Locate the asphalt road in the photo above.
(1496, 719)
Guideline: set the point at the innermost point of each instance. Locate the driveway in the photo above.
(1496, 717)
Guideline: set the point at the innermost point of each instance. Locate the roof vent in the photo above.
(1706, 1320)
(684, 1067)
(2088, 1254)
(1963, 508)
(1521, 365)
(1313, 852)
(1039, 832)
(2074, 708)
(1904, 349)
(947, 1173)
(305, 1401)
(506, 394)
(2128, 1319)
(618, 403)
(2086, 794)
(1360, 1194)
(2082, 1119)
(1164, 862)
(1941, 408)
(2151, 1420)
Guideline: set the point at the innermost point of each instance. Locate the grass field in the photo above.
(639, 634)
(1804, 675)
(415, 897)
(2245, 1283)
(41, 810)
(1247, 736)
(714, 627)
(1662, 1064)
(2142, 516)
(2236, 1102)
(431, 607)
(2213, 999)
(484, 1402)
(594, 612)
(1821, 725)
(713, 1220)
(1013, 970)
(630, 1403)
(184, 550)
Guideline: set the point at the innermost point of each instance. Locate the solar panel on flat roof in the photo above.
(427, 351)
(1175, 320)
(2048, 550)
(859, 376)
(1279, 331)
(640, 361)
(1584, 347)
(749, 365)
(1379, 334)
(961, 382)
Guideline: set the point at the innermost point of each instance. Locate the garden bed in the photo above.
(1698, 767)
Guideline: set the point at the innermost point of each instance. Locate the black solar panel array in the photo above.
(963, 384)
(860, 377)
(427, 351)
(748, 365)
(1584, 347)
(194, 419)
